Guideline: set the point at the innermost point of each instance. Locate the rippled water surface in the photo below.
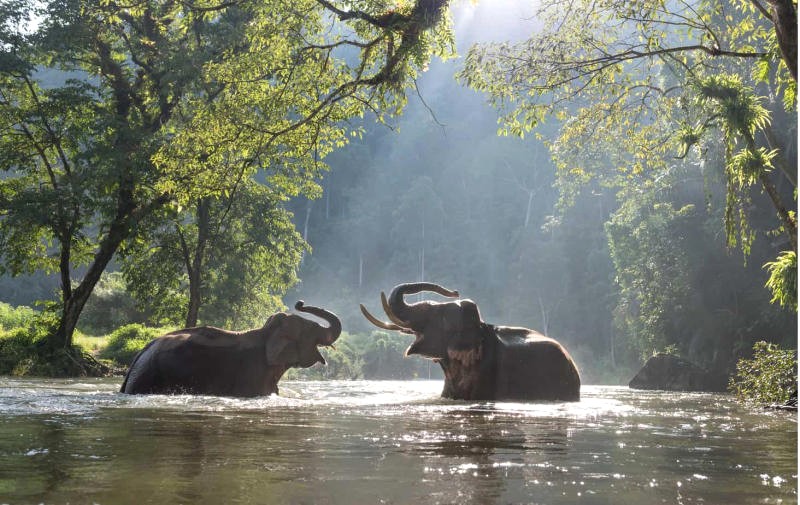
(369, 442)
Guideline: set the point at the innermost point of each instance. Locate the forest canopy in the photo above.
(216, 161)
(160, 111)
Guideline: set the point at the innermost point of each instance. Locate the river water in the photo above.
(393, 442)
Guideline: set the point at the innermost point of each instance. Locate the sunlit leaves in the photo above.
(281, 102)
(249, 255)
(782, 280)
(652, 268)
(638, 84)
(738, 107)
(181, 101)
(747, 166)
(769, 377)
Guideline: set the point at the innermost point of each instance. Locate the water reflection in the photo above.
(390, 442)
(487, 449)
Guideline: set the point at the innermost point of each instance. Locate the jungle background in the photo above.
(541, 228)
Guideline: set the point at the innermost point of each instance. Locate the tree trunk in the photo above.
(613, 354)
(780, 159)
(360, 270)
(309, 206)
(784, 17)
(327, 202)
(194, 265)
(789, 223)
(64, 267)
(75, 299)
(528, 209)
(788, 220)
(193, 309)
(127, 215)
(544, 316)
(422, 257)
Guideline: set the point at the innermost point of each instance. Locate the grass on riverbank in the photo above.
(24, 350)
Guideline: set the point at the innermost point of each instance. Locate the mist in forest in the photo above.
(435, 195)
(439, 196)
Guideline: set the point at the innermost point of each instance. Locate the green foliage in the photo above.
(782, 280)
(344, 361)
(89, 343)
(16, 351)
(110, 306)
(24, 351)
(649, 97)
(635, 84)
(769, 377)
(15, 317)
(161, 104)
(241, 251)
(125, 342)
(653, 270)
(670, 350)
(727, 104)
(486, 226)
(368, 356)
(23, 335)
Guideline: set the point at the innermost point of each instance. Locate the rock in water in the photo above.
(671, 373)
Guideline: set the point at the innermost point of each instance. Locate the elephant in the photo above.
(212, 361)
(480, 361)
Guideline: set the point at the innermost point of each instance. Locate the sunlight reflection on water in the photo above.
(387, 441)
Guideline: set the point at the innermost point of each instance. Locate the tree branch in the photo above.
(760, 8)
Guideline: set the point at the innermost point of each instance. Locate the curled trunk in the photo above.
(334, 324)
(401, 309)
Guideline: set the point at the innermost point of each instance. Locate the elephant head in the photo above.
(214, 361)
(292, 340)
(480, 361)
(443, 329)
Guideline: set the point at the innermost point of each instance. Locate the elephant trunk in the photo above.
(400, 309)
(334, 328)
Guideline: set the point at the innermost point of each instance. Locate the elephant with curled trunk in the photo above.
(212, 361)
(480, 361)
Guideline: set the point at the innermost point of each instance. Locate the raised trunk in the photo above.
(334, 324)
(528, 209)
(398, 305)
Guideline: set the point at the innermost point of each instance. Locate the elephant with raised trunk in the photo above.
(212, 361)
(480, 361)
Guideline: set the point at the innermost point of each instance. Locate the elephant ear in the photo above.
(280, 347)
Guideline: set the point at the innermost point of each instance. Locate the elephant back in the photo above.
(531, 366)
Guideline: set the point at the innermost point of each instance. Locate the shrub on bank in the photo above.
(125, 342)
(109, 307)
(768, 378)
(25, 352)
(15, 317)
(15, 350)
